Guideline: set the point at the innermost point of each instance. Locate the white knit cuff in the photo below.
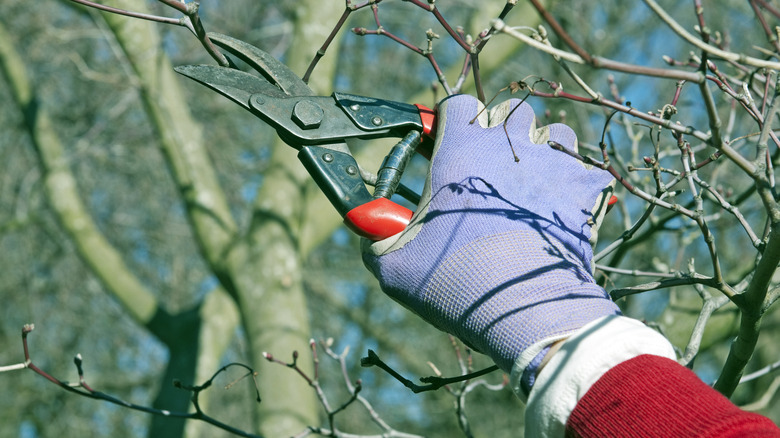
(581, 361)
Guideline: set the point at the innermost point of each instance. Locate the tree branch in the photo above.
(729, 56)
(85, 390)
(433, 382)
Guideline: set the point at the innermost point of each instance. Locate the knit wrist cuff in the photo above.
(583, 358)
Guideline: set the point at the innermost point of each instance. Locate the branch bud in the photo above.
(192, 8)
(542, 32)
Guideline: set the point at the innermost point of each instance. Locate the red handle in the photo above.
(378, 219)
(611, 203)
(381, 218)
(428, 119)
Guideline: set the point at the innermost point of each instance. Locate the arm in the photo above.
(499, 254)
(612, 379)
(652, 396)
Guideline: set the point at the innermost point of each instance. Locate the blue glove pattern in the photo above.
(498, 252)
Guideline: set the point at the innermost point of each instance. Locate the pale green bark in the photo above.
(263, 270)
(268, 268)
(62, 192)
(202, 336)
(179, 135)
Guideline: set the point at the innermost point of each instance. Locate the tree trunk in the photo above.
(263, 270)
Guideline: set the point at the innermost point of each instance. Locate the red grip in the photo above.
(428, 117)
(611, 203)
(378, 219)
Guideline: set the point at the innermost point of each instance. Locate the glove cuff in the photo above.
(583, 358)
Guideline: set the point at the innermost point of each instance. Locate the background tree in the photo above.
(161, 231)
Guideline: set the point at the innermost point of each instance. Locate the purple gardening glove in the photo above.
(498, 252)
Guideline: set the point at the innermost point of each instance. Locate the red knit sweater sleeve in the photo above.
(652, 396)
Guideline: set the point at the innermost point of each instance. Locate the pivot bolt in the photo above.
(307, 114)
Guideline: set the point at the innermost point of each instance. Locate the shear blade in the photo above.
(236, 85)
(263, 63)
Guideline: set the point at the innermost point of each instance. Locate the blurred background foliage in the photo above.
(92, 96)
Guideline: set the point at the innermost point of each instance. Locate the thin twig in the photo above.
(190, 20)
(730, 56)
(84, 390)
(599, 62)
(433, 382)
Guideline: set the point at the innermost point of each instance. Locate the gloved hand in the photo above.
(498, 251)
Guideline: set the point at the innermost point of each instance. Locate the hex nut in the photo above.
(307, 114)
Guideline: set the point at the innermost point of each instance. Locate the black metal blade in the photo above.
(263, 63)
(234, 84)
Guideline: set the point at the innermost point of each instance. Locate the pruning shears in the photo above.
(317, 126)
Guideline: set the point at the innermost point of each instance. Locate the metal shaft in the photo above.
(393, 166)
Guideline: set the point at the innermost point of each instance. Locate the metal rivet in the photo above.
(376, 120)
(354, 107)
(258, 100)
(352, 170)
(327, 157)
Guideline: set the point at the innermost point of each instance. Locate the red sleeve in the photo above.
(652, 396)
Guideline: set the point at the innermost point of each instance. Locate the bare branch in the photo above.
(681, 280)
(709, 306)
(321, 52)
(433, 382)
(730, 56)
(599, 62)
(331, 413)
(84, 390)
(139, 15)
(190, 20)
(766, 398)
(761, 373)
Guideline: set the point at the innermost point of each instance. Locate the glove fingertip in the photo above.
(515, 113)
(459, 109)
(563, 135)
